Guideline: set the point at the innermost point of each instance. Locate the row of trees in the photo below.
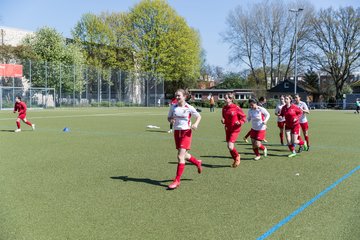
(150, 38)
(261, 37)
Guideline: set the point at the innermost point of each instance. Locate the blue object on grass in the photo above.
(66, 129)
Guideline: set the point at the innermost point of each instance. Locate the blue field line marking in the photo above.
(303, 207)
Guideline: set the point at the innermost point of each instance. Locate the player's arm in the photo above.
(266, 114)
(241, 117)
(170, 114)
(306, 109)
(197, 121)
(15, 108)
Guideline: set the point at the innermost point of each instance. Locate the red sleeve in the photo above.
(299, 112)
(241, 116)
(223, 114)
(15, 107)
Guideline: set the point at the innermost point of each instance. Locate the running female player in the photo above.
(180, 114)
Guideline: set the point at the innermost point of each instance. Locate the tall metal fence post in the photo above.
(98, 91)
(74, 77)
(120, 86)
(46, 84)
(86, 84)
(109, 88)
(30, 97)
(60, 96)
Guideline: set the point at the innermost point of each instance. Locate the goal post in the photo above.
(33, 97)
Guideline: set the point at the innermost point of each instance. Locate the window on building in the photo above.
(286, 85)
(198, 96)
(221, 96)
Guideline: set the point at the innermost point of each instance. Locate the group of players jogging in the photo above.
(291, 116)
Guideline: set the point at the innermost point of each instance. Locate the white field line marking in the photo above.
(92, 115)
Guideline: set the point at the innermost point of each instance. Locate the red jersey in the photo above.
(20, 107)
(291, 113)
(233, 113)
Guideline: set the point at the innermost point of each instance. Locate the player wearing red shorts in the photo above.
(21, 108)
(303, 120)
(262, 102)
(258, 116)
(280, 120)
(233, 117)
(292, 114)
(180, 114)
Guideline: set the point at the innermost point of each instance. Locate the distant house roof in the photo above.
(213, 90)
(355, 84)
(287, 86)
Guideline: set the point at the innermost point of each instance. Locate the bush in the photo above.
(220, 104)
(120, 104)
(271, 103)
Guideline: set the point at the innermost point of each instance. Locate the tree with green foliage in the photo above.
(52, 58)
(164, 45)
(232, 81)
(311, 79)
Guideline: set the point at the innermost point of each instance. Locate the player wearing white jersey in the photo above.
(303, 120)
(180, 115)
(280, 119)
(258, 116)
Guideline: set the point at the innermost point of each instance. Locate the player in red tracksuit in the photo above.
(233, 117)
(292, 114)
(21, 108)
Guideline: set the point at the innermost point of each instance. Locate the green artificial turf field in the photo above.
(106, 179)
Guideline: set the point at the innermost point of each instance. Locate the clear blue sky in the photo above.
(207, 16)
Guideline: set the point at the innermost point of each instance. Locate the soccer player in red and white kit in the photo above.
(233, 117)
(292, 114)
(21, 108)
(303, 120)
(180, 114)
(258, 116)
(262, 101)
(280, 120)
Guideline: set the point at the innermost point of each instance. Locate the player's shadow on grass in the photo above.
(160, 183)
(6, 130)
(230, 158)
(206, 165)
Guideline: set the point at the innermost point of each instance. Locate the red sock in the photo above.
(18, 125)
(234, 153)
(291, 147)
(179, 171)
(28, 123)
(301, 141)
(307, 140)
(256, 151)
(281, 137)
(193, 160)
(248, 134)
(262, 147)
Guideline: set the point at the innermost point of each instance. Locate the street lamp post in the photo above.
(296, 11)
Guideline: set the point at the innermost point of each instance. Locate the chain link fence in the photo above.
(81, 86)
